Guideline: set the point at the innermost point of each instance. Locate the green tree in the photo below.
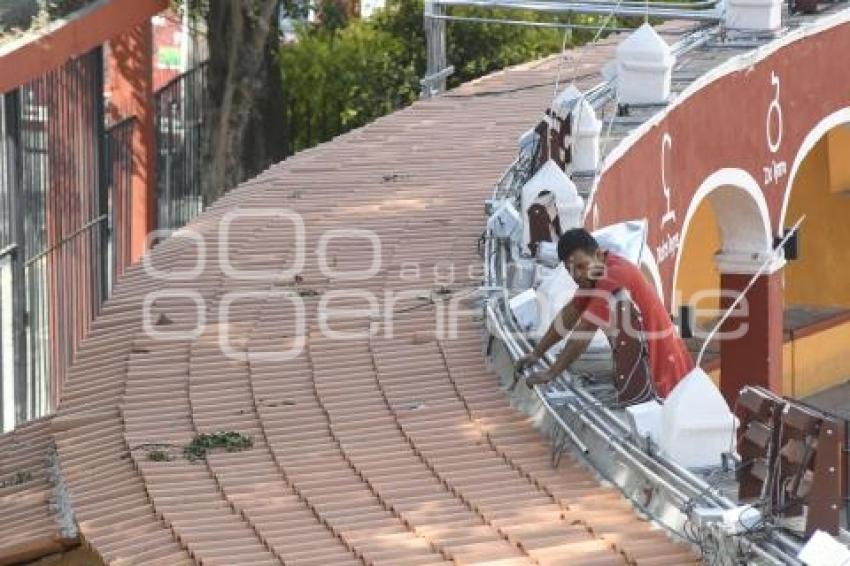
(402, 19)
(245, 93)
(475, 49)
(339, 79)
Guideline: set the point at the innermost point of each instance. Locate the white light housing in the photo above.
(505, 222)
(823, 550)
(697, 425)
(547, 252)
(626, 239)
(645, 420)
(556, 289)
(525, 310)
(527, 140)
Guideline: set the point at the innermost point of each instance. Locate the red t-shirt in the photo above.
(669, 359)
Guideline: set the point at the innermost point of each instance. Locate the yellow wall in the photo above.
(697, 270)
(820, 360)
(812, 363)
(788, 384)
(821, 276)
(838, 151)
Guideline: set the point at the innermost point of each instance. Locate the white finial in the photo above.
(644, 68)
(753, 15)
(585, 144)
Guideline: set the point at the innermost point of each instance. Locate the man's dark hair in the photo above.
(576, 239)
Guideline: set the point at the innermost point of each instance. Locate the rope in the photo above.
(561, 58)
(740, 297)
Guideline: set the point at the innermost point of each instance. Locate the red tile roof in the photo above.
(29, 526)
(390, 447)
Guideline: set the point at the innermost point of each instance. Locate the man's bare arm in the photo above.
(576, 345)
(560, 327)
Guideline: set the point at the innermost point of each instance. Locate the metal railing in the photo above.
(181, 147)
(119, 177)
(438, 12)
(53, 231)
(66, 215)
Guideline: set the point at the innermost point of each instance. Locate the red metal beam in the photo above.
(31, 56)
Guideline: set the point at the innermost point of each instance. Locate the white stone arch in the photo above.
(823, 127)
(741, 212)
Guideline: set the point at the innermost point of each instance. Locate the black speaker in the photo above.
(791, 249)
(686, 318)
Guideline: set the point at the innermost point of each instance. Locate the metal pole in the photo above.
(101, 249)
(435, 45)
(528, 23)
(642, 10)
(12, 101)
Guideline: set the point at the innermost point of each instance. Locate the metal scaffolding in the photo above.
(437, 13)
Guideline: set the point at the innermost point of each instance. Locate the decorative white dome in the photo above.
(586, 128)
(584, 119)
(565, 100)
(645, 45)
(644, 68)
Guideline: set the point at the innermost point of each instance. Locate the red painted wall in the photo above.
(724, 125)
(21, 63)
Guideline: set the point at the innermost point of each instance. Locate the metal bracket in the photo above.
(435, 83)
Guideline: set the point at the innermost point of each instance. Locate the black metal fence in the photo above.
(64, 188)
(181, 150)
(66, 215)
(119, 175)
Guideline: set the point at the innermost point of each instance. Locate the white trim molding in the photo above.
(748, 263)
(828, 123)
(742, 217)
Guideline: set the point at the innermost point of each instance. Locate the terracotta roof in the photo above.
(390, 447)
(29, 525)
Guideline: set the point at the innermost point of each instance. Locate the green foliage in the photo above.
(332, 14)
(230, 440)
(339, 78)
(402, 19)
(474, 48)
(159, 455)
(336, 80)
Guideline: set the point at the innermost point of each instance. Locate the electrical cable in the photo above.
(561, 58)
(771, 256)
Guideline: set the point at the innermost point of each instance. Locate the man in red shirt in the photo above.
(599, 275)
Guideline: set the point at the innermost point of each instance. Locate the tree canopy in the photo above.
(341, 76)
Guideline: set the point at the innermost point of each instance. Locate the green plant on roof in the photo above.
(231, 441)
(159, 455)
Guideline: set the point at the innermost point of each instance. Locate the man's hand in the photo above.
(526, 362)
(539, 377)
